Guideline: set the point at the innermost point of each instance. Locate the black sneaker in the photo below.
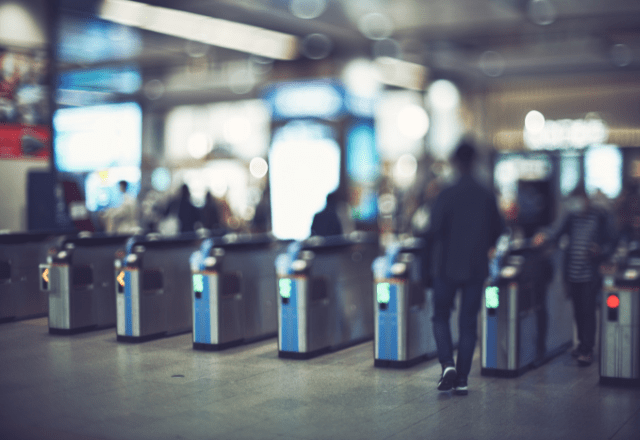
(585, 359)
(460, 387)
(576, 352)
(448, 377)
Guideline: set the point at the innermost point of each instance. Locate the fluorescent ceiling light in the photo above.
(208, 30)
(399, 73)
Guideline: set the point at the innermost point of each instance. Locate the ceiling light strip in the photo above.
(196, 27)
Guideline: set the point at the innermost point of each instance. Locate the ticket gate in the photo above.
(234, 291)
(324, 286)
(153, 288)
(20, 254)
(526, 317)
(403, 308)
(79, 279)
(620, 324)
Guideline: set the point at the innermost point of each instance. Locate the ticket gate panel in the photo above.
(82, 285)
(58, 285)
(248, 291)
(389, 321)
(304, 321)
(234, 291)
(331, 287)
(524, 324)
(70, 298)
(502, 331)
(168, 292)
(128, 303)
(620, 336)
(404, 326)
(557, 311)
(155, 300)
(291, 314)
(205, 308)
(20, 255)
(421, 342)
(403, 307)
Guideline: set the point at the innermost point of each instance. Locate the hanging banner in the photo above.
(24, 142)
(24, 104)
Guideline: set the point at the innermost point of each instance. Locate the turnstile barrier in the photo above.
(153, 288)
(325, 302)
(526, 317)
(20, 255)
(620, 324)
(234, 291)
(403, 308)
(79, 280)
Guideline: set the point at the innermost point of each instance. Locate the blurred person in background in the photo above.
(188, 214)
(464, 227)
(591, 240)
(628, 212)
(261, 222)
(122, 219)
(210, 213)
(327, 222)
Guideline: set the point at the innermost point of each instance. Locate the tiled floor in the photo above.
(91, 387)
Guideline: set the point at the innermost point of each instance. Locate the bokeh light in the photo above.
(198, 145)
(161, 179)
(258, 167)
(316, 46)
(534, 121)
(541, 12)
(375, 26)
(443, 94)
(413, 121)
(307, 9)
(621, 55)
(492, 63)
(362, 78)
(154, 89)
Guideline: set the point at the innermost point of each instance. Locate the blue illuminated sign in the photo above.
(363, 162)
(306, 99)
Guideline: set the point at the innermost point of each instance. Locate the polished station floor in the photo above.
(89, 386)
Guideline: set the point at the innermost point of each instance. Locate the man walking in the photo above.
(591, 241)
(465, 225)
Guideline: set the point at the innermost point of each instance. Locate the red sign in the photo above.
(18, 141)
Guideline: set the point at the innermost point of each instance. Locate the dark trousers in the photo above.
(444, 293)
(584, 297)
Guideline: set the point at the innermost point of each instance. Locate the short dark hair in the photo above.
(579, 191)
(124, 185)
(333, 197)
(465, 155)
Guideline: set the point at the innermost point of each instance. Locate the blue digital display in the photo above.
(88, 41)
(118, 80)
(363, 161)
(363, 165)
(322, 99)
(98, 137)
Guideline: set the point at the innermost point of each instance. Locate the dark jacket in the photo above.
(465, 224)
(188, 215)
(604, 237)
(327, 222)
